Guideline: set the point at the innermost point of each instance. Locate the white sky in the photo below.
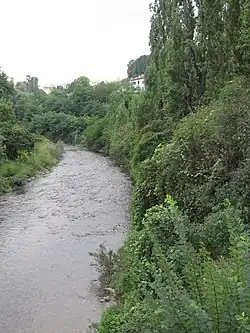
(59, 40)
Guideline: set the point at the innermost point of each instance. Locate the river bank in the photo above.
(43, 158)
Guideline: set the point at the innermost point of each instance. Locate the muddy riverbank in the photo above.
(46, 234)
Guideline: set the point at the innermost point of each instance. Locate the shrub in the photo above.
(105, 263)
(15, 139)
(179, 289)
(207, 157)
(7, 113)
(58, 126)
(44, 156)
(93, 135)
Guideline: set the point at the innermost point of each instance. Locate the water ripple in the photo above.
(46, 233)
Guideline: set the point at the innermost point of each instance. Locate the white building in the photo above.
(138, 83)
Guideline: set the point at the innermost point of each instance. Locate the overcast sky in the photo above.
(59, 40)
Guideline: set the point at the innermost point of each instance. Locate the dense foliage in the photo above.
(63, 112)
(137, 67)
(22, 153)
(59, 114)
(14, 137)
(185, 141)
(184, 267)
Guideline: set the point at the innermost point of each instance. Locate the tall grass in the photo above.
(45, 156)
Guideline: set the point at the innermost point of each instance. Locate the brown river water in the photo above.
(46, 233)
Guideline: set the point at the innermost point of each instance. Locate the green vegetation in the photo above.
(28, 114)
(137, 67)
(22, 153)
(44, 155)
(185, 140)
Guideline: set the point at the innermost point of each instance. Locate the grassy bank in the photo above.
(44, 156)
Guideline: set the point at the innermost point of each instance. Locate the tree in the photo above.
(6, 86)
(80, 93)
(103, 90)
(137, 67)
(7, 113)
(31, 83)
(58, 100)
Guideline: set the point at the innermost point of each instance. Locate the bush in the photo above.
(105, 262)
(28, 164)
(171, 275)
(216, 229)
(178, 289)
(206, 159)
(146, 146)
(6, 112)
(58, 126)
(15, 139)
(121, 144)
(93, 135)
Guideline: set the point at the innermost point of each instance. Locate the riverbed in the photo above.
(46, 233)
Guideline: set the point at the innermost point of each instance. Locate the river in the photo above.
(46, 234)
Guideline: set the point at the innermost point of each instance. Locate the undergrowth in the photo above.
(44, 156)
(184, 267)
(106, 261)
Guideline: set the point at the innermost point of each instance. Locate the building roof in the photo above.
(137, 78)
